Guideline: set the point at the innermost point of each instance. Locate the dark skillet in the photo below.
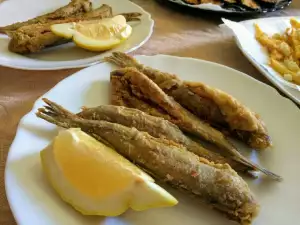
(236, 6)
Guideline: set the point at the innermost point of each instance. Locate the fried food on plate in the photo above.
(208, 103)
(145, 89)
(197, 2)
(216, 184)
(75, 7)
(270, 1)
(96, 180)
(156, 127)
(133, 89)
(250, 4)
(192, 2)
(36, 37)
(230, 1)
(283, 50)
(237, 118)
(216, 2)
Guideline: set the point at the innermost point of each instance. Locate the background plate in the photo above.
(33, 201)
(257, 55)
(230, 9)
(68, 55)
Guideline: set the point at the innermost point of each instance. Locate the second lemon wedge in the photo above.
(95, 35)
(96, 180)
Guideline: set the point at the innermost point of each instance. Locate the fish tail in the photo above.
(2, 30)
(257, 167)
(56, 114)
(134, 16)
(122, 60)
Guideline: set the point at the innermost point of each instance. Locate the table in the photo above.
(177, 32)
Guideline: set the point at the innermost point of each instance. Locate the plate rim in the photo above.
(6, 63)
(23, 119)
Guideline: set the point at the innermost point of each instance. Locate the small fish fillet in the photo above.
(250, 3)
(73, 8)
(34, 38)
(210, 104)
(156, 127)
(216, 184)
(133, 89)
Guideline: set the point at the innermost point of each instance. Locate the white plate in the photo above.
(33, 202)
(67, 55)
(244, 34)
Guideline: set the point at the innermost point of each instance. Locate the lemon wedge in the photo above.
(95, 35)
(96, 180)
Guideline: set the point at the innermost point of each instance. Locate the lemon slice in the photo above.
(96, 180)
(95, 35)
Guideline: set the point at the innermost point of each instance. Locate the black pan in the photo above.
(238, 8)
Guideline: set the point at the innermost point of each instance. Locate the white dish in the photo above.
(244, 34)
(67, 55)
(33, 201)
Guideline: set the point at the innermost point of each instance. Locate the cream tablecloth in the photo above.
(177, 32)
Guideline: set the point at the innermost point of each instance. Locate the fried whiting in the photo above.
(197, 2)
(133, 89)
(208, 103)
(244, 124)
(75, 7)
(34, 38)
(250, 4)
(156, 127)
(216, 184)
(146, 89)
(34, 35)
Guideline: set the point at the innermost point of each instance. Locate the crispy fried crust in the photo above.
(216, 184)
(250, 4)
(236, 115)
(243, 122)
(34, 38)
(142, 87)
(134, 89)
(156, 127)
(210, 104)
(75, 7)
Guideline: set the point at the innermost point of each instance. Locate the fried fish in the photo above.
(210, 104)
(75, 7)
(250, 4)
(230, 1)
(197, 2)
(216, 184)
(270, 1)
(238, 119)
(133, 89)
(156, 127)
(192, 2)
(36, 37)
